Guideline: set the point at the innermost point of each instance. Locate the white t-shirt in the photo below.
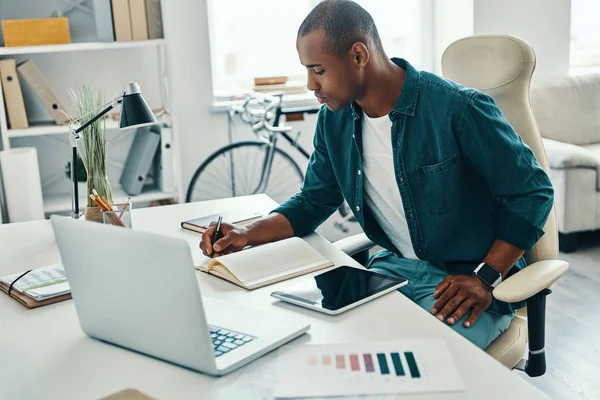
(379, 182)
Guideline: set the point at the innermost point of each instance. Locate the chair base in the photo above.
(567, 242)
(362, 257)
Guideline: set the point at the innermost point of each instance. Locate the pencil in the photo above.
(128, 202)
(104, 207)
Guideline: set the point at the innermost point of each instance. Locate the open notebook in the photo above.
(270, 263)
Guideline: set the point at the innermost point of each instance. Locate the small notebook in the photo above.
(264, 265)
(201, 224)
(41, 286)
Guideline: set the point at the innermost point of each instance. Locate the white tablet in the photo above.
(339, 289)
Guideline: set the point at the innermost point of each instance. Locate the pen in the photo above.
(216, 235)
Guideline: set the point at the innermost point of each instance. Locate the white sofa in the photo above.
(567, 111)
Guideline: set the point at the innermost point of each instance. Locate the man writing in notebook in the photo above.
(432, 171)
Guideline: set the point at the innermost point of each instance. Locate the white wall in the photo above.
(544, 24)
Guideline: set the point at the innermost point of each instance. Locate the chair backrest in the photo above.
(502, 66)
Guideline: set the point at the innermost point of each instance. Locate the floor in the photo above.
(573, 327)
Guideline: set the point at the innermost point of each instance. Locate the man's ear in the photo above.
(360, 55)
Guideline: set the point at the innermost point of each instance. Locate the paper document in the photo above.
(395, 367)
(41, 283)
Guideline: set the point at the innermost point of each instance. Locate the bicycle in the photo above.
(257, 166)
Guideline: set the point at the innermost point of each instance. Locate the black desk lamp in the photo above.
(134, 113)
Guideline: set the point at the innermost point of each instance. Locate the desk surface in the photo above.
(46, 355)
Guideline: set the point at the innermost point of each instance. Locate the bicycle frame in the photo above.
(274, 130)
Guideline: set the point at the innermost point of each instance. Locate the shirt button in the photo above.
(359, 172)
(410, 215)
(401, 180)
(357, 208)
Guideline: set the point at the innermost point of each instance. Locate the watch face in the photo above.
(488, 274)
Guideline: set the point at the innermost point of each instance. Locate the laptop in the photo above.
(139, 291)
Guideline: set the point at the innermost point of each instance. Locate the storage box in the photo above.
(35, 32)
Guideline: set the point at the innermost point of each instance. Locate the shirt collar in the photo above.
(407, 102)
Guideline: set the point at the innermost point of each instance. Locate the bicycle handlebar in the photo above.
(259, 117)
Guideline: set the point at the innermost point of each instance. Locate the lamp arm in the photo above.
(91, 121)
(115, 100)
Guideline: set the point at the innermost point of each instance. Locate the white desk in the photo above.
(44, 353)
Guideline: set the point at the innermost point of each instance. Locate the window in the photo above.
(258, 38)
(585, 37)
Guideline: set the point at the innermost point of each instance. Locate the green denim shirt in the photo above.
(465, 176)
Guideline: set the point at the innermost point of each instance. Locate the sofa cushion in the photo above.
(595, 150)
(567, 109)
(564, 155)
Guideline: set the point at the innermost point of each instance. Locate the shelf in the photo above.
(62, 202)
(49, 129)
(59, 48)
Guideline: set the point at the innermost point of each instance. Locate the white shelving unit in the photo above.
(47, 129)
(58, 203)
(62, 203)
(89, 46)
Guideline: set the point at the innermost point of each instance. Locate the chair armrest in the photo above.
(354, 244)
(565, 155)
(530, 280)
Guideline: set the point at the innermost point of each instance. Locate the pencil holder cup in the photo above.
(119, 216)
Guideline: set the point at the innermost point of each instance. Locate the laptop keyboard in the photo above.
(224, 340)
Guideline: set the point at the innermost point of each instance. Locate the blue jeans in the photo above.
(423, 277)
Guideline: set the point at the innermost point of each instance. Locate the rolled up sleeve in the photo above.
(320, 193)
(522, 190)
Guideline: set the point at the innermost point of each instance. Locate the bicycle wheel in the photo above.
(236, 169)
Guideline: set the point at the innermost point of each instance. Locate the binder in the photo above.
(121, 20)
(40, 86)
(165, 170)
(139, 24)
(154, 19)
(139, 160)
(13, 96)
(103, 19)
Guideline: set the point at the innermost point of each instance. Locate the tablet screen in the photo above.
(340, 287)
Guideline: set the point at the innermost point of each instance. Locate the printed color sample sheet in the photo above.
(405, 366)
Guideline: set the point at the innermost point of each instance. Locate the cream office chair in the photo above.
(502, 66)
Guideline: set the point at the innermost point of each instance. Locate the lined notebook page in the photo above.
(271, 260)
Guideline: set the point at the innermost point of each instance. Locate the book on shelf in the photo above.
(121, 16)
(104, 21)
(201, 224)
(154, 19)
(139, 22)
(270, 263)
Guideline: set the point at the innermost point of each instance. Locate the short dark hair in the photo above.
(344, 23)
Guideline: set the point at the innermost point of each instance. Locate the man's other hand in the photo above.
(457, 294)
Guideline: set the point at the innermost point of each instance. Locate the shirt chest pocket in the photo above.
(440, 185)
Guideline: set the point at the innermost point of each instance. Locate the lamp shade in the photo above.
(134, 109)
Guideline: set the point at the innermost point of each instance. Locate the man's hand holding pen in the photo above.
(224, 239)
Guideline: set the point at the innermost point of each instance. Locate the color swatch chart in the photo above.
(380, 363)
(407, 366)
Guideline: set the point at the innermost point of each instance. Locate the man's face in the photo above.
(335, 80)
